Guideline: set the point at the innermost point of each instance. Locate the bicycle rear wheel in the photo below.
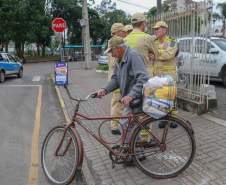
(174, 159)
(60, 170)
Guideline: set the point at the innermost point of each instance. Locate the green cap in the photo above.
(138, 17)
(114, 42)
(127, 28)
(160, 24)
(116, 27)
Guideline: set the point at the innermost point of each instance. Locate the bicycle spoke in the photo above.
(171, 158)
(59, 169)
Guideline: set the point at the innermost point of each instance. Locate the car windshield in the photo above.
(221, 43)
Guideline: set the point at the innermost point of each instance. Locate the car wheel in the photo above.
(224, 78)
(2, 76)
(20, 73)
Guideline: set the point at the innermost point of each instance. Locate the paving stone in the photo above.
(208, 166)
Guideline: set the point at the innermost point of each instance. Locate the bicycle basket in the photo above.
(159, 95)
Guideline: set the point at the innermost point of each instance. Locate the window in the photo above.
(5, 57)
(185, 45)
(202, 46)
(11, 58)
(1, 58)
(221, 43)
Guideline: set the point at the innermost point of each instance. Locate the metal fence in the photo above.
(76, 52)
(191, 26)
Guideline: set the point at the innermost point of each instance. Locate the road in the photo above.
(29, 108)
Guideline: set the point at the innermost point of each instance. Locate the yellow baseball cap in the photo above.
(116, 27)
(160, 24)
(127, 28)
(138, 17)
(114, 42)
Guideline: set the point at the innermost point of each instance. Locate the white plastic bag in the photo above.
(154, 105)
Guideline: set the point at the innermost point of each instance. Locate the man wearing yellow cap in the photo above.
(116, 105)
(127, 29)
(167, 51)
(140, 40)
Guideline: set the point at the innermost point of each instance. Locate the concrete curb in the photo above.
(41, 61)
(214, 119)
(89, 179)
(101, 71)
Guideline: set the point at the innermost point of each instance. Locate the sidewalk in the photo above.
(208, 167)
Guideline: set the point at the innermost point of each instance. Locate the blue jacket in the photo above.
(129, 75)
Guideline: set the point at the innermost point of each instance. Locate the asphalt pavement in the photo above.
(29, 109)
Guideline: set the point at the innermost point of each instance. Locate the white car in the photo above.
(203, 56)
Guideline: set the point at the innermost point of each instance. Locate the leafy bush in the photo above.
(102, 67)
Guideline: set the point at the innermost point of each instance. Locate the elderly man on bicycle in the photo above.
(129, 76)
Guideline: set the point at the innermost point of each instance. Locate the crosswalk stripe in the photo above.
(36, 78)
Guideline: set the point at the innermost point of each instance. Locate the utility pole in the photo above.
(86, 35)
(159, 7)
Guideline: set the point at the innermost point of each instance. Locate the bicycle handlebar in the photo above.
(91, 95)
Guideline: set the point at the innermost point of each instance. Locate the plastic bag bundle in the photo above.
(159, 96)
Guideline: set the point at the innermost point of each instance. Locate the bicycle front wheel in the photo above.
(177, 154)
(60, 169)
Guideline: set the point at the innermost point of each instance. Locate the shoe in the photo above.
(163, 124)
(116, 132)
(129, 161)
(147, 144)
(151, 143)
(173, 125)
(142, 157)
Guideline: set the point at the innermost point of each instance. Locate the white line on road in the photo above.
(36, 78)
(16, 85)
(34, 164)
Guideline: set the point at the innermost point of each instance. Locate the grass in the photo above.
(102, 67)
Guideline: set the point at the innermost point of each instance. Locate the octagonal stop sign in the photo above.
(59, 25)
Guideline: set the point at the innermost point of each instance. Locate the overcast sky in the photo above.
(130, 9)
(147, 4)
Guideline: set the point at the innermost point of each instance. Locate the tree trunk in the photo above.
(1, 46)
(38, 49)
(224, 19)
(6, 46)
(43, 51)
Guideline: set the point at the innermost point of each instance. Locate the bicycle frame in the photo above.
(76, 121)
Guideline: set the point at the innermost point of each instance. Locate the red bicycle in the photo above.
(165, 152)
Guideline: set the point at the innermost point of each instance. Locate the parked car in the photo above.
(103, 59)
(209, 55)
(10, 65)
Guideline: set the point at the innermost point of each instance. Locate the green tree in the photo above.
(106, 6)
(222, 16)
(24, 21)
(110, 18)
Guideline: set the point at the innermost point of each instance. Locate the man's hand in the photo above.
(101, 93)
(126, 100)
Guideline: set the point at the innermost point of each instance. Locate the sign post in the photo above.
(59, 24)
(61, 73)
(61, 67)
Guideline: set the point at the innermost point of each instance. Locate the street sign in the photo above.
(59, 25)
(61, 73)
